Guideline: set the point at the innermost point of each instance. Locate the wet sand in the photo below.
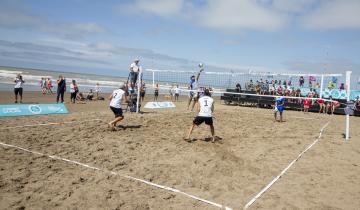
(253, 150)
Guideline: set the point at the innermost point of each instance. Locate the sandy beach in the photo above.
(150, 146)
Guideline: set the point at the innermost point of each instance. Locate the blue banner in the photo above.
(159, 105)
(10, 110)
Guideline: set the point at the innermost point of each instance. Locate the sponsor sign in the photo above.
(159, 105)
(9, 110)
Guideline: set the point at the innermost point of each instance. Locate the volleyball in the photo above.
(201, 65)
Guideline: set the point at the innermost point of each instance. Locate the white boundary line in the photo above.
(121, 175)
(285, 169)
(49, 123)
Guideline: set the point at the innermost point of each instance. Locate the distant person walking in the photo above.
(74, 89)
(18, 89)
(61, 88)
(49, 86)
(43, 85)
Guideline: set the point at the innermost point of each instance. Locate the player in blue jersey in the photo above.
(193, 86)
(279, 107)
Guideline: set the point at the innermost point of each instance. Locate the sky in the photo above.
(105, 36)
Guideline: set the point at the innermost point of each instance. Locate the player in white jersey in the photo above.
(205, 107)
(115, 105)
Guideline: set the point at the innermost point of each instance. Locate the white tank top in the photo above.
(206, 104)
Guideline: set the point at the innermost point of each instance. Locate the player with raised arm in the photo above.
(193, 85)
(205, 108)
(279, 107)
(115, 105)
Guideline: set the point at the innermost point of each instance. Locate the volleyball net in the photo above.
(321, 85)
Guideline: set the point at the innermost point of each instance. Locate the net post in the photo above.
(348, 79)
(321, 85)
(153, 79)
(138, 90)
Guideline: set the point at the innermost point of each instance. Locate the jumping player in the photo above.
(193, 85)
(279, 107)
(205, 108)
(115, 105)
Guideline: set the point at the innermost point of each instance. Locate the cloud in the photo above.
(163, 8)
(15, 17)
(335, 14)
(234, 14)
(224, 14)
(293, 6)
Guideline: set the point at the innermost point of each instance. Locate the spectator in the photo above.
(279, 90)
(310, 84)
(357, 103)
(331, 85)
(43, 85)
(142, 92)
(238, 87)
(289, 83)
(18, 89)
(272, 89)
(156, 92)
(263, 88)
(317, 86)
(301, 81)
(97, 90)
(177, 93)
(342, 86)
(258, 89)
(73, 91)
(61, 82)
(90, 96)
(49, 86)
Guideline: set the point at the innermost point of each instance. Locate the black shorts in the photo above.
(133, 76)
(117, 111)
(199, 120)
(18, 91)
(176, 94)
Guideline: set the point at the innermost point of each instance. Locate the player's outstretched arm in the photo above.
(198, 76)
(110, 97)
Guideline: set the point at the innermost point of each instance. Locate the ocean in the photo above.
(219, 81)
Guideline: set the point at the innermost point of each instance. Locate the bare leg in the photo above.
(275, 116)
(193, 105)
(212, 133)
(112, 124)
(281, 117)
(16, 98)
(189, 102)
(190, 131)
